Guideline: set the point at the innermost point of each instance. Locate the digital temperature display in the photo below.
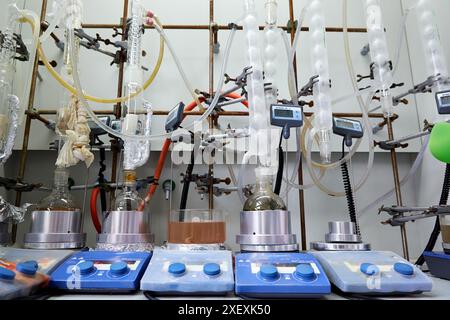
(283, 113)
(345, 124)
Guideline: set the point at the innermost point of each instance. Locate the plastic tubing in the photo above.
(291, 181)
(58, 11)
(93, 207)
(295, 44)
(187, 83)
(73, 90)
(368, 130)
(293, 94)
(123, 136)
(401, 38)
(32, 16)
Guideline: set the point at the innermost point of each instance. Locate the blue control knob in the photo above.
(404, 269)
(305, 272)
(86, 268)
(27, 268)
(177, 269)
(269, 272)
(34, 263)
(119, 268)
(211, 269)
(369, 269)
(6, 274)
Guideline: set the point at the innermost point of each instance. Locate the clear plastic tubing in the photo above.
(431, 42)
(323, 120)
(290, 52)
(134, 137)
(379, 54)
(292, 85)
(57, 14)
(368, 133)
(180, 67)
(259, 120)
(32, 16)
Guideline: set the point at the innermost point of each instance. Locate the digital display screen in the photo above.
(445, 100)
(283, 113)
(104, 262)
(278, 265)
(345, 124)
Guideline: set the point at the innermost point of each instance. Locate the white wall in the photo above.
(192, 46)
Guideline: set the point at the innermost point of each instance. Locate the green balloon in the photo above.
(440, 142)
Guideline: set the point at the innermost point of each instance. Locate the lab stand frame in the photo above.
(34, 113)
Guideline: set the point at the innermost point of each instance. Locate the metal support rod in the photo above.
(219, 113)
(207, 27)
(118, 106)
(408, 138)
(211, 92)
(301, 193)
(26, 135)
(398, 192)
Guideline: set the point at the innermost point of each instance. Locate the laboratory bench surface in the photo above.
(441, 291)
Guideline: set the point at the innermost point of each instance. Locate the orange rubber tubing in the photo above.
(94, 215)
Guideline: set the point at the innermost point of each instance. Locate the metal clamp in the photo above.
(400, 217)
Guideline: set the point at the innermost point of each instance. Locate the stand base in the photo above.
(48, 241)
(438, 263)
(329, 246)
(55, 230)
(266, 231)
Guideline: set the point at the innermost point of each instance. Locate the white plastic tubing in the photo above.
(432, 46)
(150, 137)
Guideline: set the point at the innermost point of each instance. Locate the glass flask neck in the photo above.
(61, 180)
(129, 180)
(263, 197)
(60, 199)
(129, 199)
(263, 184)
